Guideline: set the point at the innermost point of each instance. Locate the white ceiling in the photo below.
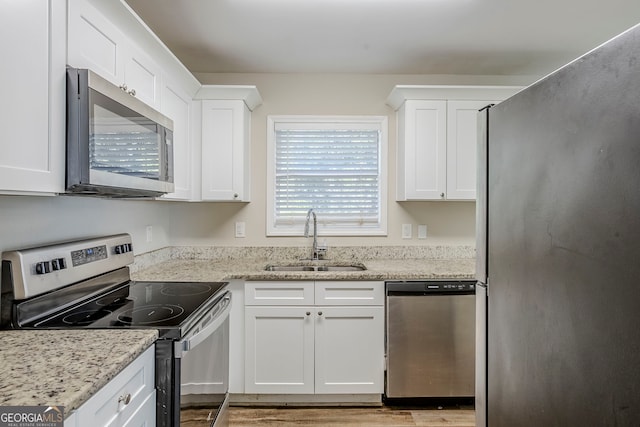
(482, 37)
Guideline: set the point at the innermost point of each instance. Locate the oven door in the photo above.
(204, 366)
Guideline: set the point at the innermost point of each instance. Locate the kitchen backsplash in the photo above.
(288, 254)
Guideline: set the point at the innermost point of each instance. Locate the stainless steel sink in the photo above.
(324, 267)
(341, 268)
(290, 268)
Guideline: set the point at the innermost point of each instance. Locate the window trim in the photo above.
(296, 229)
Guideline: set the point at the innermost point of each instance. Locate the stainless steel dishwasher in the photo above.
(430, 339)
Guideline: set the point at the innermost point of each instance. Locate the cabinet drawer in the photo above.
(107, 408)
(278, 293)
(349, 293)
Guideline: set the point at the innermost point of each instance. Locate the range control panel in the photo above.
(38, 270)
(84, 256)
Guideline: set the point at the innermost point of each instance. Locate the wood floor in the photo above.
(340, 416)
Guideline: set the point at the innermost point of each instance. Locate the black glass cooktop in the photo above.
(138, 304)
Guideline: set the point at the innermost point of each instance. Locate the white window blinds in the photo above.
(332, 167)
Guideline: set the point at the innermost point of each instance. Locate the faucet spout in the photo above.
(310, 213)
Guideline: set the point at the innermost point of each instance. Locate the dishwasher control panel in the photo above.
(431, 287)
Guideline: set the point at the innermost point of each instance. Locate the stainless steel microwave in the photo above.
(117, 146)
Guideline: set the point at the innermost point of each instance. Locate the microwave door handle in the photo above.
(189, 343)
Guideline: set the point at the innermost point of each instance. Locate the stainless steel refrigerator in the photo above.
(559, 247)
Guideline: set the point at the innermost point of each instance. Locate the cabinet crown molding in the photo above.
(248, 93)
(400, 93)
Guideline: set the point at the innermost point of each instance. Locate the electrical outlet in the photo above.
(240, 229)
(406, 231)
(422, 231)
(149, 233)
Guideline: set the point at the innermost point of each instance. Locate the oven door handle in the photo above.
(220, 315)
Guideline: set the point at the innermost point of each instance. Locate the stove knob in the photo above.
(43, 267)
(58, 264)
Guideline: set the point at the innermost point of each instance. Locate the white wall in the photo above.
(350, 94)
(29, 220)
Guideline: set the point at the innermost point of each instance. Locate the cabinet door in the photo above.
(422, 152)
(279, 350)
(225, 150)
(98, 44)
(349, 352)
(142, 76)
(462, 138)
(145, 415)
(94, 42)
(177, 106)
(71, 420)
(32, 84)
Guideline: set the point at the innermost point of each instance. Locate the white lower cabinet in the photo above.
(279, 350)
(348, 350)
(320, 346)
(129, 399)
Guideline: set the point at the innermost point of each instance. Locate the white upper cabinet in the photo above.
(437, 137)
(422, 146)
(142, 77)
(226, 141)
(176, 104)
(462, 141)
(95, 42)
(32, 83)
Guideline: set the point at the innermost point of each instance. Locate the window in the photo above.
(334, 165)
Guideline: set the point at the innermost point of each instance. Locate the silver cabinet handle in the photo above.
(123, 86)
(126, 398)
(132, 92)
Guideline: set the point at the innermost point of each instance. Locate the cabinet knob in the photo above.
(125, 398)
(308, 313)
(123, 86)
(235, 195)
(319, 313)
(442, 195)
(132, 92)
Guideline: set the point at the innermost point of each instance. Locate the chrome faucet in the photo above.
(314, 255)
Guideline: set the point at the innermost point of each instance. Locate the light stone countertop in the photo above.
(199, 270)
(64, 367)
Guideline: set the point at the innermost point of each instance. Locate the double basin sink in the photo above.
(319, 267)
